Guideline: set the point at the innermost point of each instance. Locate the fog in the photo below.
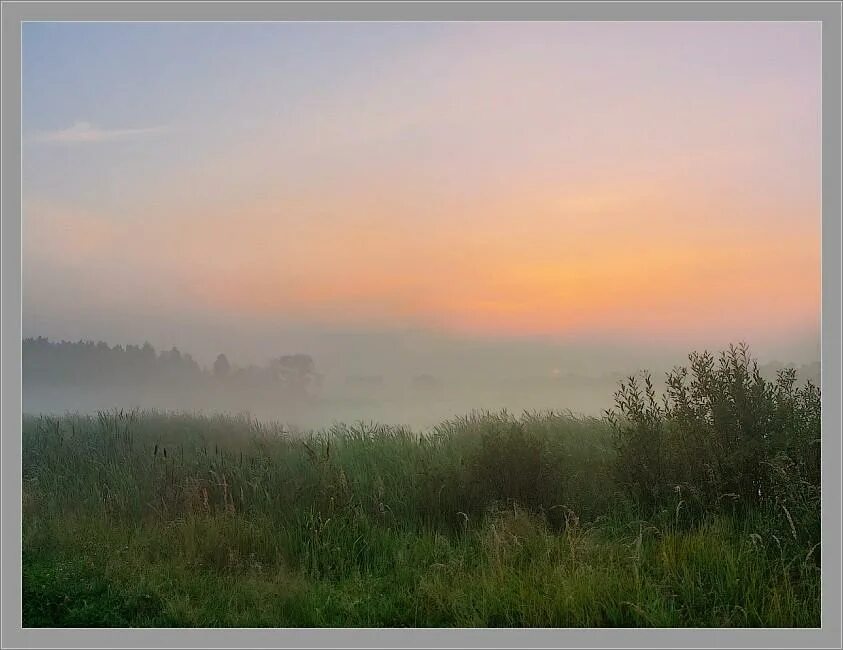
(441, 216)
(313, 379)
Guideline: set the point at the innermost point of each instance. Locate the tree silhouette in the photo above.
(296, 373)
(221, 367)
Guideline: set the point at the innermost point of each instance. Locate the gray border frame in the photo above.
(13, 13)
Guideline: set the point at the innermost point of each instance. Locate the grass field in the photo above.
(542, 519)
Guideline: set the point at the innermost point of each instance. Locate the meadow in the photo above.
(699, 507)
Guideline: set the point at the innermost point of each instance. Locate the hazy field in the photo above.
(703, 511)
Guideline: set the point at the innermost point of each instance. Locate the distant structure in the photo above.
(364, 380)
(425, 383)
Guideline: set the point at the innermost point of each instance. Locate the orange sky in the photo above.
(495, 179)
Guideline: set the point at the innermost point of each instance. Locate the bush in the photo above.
(721, 434)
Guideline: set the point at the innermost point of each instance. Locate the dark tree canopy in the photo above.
(91, 363)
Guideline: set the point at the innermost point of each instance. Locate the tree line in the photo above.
(92, 363)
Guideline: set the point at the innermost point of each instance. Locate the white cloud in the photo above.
(83, 132)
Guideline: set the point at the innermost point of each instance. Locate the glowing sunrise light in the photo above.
(554, 179)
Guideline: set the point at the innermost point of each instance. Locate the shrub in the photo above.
(721, 433)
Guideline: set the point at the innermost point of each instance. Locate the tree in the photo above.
(221, 367)
(296, 372)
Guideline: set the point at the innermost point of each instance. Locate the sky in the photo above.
(347, 187)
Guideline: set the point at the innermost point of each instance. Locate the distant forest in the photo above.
(89, 363)
(86, 363)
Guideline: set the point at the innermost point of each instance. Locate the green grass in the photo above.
(490, 520)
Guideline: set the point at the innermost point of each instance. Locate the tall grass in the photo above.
(492, 519)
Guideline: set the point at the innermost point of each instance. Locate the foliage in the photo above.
(722, 437)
